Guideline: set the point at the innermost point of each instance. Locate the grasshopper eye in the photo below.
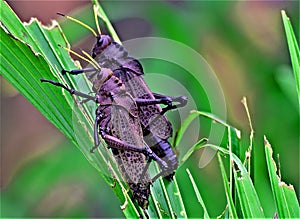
(100, 41)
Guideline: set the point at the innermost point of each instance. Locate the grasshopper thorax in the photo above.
(107, 82)
(100, 77)
(103, 41)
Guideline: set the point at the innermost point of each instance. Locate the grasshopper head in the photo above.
(102, 42)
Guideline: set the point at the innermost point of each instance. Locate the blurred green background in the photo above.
(43, 174)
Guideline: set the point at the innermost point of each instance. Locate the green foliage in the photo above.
(229, 197)
(294, 50)
(199, 198)
(284, 195)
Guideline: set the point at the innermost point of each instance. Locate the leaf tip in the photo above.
(283, 13)
(266, 142)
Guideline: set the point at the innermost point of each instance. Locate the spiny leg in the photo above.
(116, 143)
(71, 91)
(162, 99)
(161, 173)
(182, 101)
(157, 176)
(146, 102)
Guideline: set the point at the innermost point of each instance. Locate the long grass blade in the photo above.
(198, 195)
(284, 195)
(229, 198)
(294, 50)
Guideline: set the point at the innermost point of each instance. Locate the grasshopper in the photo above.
(118, 124)
(156, 127)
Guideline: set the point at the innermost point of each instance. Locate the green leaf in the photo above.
(198, 195)
(249, 201)
(233, 133)
(286, 80)
(170, 199)
(284, 195)
(229, 198)
(250, 204)
(294, 50)
(183, 128)
(192, 149)
(163, 198)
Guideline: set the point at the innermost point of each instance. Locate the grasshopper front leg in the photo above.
(162, 99)
(71, 91)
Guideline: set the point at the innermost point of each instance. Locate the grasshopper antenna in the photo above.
(95, 8)
(94, 64)
(91, 58)
(79, 22)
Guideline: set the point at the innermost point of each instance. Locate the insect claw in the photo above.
(93, 148)
(148, 154)
(167, 101)
(182, 101)
(63, 71)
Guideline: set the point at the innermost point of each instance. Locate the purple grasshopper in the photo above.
(118, 124)
(156, 127)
